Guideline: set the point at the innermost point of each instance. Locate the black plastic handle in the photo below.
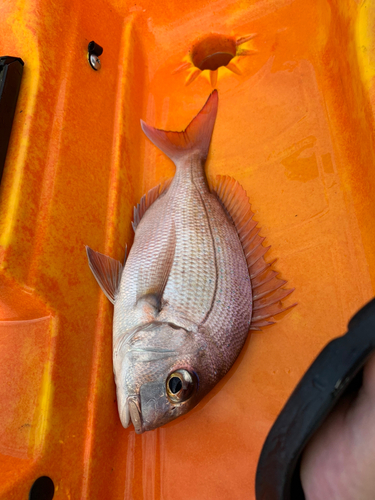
(95, 48)
(337, 369)
(11, 69)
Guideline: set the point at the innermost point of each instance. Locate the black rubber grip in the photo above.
(336, 370)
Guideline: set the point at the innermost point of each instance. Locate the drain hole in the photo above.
(213, 51)
(42, 489)
(175, 385)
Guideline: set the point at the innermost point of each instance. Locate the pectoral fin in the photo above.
(107, 272)
(151, 284)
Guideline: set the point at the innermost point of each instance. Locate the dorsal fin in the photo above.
(107, 272)
(147, 200)
(267, 288)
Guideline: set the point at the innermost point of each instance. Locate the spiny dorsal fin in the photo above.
(107, 272)
(147, 200)
(267, 288)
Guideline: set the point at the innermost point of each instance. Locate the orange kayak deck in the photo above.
(295, 128)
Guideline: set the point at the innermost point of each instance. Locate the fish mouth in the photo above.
(133, 413)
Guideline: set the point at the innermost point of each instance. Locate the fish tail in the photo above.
(195, 138)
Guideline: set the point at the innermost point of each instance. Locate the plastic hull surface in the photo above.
(295, 128)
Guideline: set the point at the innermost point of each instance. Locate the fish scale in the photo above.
(188, 290)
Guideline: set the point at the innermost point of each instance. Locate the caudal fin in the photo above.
(196, 136)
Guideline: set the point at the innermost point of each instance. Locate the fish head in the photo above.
(161, 373)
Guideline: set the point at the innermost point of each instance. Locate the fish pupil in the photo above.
(175, 385)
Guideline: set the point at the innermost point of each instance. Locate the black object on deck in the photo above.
(11, 69)
(337, 370)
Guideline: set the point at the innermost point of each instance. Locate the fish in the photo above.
(194, 284)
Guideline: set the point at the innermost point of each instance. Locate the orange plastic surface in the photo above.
(295, 128)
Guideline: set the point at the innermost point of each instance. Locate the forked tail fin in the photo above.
(196, 136)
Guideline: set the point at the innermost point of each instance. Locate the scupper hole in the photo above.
(42, 489)
(213, 51)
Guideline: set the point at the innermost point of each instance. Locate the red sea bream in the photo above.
(193, 285)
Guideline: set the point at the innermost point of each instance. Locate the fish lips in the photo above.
(131, 414)
(135, 413)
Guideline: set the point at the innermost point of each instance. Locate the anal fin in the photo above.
(268, 291)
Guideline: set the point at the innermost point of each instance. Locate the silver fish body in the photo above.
(200, 319)
(183, 302)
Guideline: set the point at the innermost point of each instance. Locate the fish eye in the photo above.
(180, 385)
